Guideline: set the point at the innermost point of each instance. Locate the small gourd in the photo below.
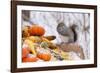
(36, 30)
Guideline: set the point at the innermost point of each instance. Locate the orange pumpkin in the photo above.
(36, 30)
(25, 52)
(45, 57)
(30, 59)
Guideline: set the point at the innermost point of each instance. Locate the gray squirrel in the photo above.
(67, 34)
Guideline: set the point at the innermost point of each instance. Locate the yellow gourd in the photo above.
(35, 39)
(31, 46)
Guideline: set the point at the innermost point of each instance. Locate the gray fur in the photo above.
(65, 31)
